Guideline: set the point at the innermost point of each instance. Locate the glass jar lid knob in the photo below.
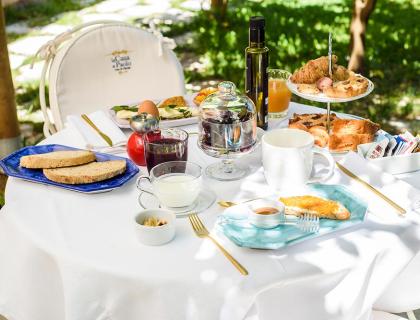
(227, 89)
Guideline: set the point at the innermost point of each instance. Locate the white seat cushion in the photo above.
(110, 65)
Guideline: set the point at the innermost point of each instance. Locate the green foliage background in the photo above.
(297, 31)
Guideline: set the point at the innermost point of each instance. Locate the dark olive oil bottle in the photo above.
(256, 82)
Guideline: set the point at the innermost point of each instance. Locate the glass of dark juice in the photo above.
(165, 145)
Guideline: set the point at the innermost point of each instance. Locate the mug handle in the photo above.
(331, 165)
(143, 190)
(139, 185)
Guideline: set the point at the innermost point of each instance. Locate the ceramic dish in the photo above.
(124, 124)
(321, 97)
(155, 235)
(236, 226)
(265, 221)
(11, 167)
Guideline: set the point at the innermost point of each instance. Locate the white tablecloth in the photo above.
(74, 256)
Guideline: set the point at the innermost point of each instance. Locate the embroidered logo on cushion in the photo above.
(121, 61)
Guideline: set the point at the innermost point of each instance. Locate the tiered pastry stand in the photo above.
(328, 100)
(322, 97)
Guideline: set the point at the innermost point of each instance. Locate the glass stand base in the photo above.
(226, 171)
(277, 115)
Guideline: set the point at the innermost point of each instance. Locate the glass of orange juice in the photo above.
(278, 93)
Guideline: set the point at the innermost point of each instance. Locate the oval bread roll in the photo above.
(57, 159)
(86, 173)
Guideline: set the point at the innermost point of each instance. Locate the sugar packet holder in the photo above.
(386, 145)
(393, 154)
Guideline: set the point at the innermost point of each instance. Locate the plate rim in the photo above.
(324, 99)
(76, 188)
(165, 123)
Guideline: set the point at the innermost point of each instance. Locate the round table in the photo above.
(70, 256)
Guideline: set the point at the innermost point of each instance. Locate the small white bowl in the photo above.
(155, 236)
(266, 221)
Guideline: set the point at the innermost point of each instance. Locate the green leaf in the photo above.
(122, 107)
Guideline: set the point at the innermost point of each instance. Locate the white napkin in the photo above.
(93, 140)
(402, 193)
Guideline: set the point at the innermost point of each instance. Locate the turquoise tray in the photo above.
(244, 234)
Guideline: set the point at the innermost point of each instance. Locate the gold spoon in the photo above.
(227, 204)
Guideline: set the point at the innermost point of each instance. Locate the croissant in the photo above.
(313, 70)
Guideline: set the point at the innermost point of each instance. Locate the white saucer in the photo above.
(205, 200)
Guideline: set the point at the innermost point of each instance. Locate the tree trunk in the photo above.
(219, 8)
(361, 12)
(9, 128)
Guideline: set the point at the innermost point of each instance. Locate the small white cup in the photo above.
(287, 156)
(155, 236)
(266, 221)
(176, 184)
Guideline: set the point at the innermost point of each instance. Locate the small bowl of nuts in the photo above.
(155, 227)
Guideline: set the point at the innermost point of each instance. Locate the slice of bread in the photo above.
(320, 207)
(57, 159)
(86, 173)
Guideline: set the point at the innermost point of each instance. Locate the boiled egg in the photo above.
(149, 107)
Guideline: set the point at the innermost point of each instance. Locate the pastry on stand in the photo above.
(323, 80)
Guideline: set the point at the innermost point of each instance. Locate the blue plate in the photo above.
(244, 234)
(11, 167)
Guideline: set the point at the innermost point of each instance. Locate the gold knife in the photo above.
(103, 135)
(400, 210)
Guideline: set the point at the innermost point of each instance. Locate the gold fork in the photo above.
(202, 232)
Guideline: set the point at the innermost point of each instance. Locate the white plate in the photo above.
(124, 124)
(339, 115)
(321, 97)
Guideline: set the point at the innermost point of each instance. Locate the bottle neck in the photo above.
(257, 44)
(257, 38)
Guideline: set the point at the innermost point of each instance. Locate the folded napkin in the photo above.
(401, 192)
(93, 140)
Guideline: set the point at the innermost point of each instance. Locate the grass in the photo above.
(39, 13)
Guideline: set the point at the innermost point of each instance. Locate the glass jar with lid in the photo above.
(227, 129)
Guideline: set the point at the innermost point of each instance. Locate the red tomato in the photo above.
(135, 149)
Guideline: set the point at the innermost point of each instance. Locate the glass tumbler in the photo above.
(165, 145)
(279, 94)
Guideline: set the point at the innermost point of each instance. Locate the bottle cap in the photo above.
(257, 22)
(257, 30)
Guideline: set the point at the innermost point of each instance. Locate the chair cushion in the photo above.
(110, 65)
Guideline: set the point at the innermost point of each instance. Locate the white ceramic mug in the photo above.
(287, 156)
